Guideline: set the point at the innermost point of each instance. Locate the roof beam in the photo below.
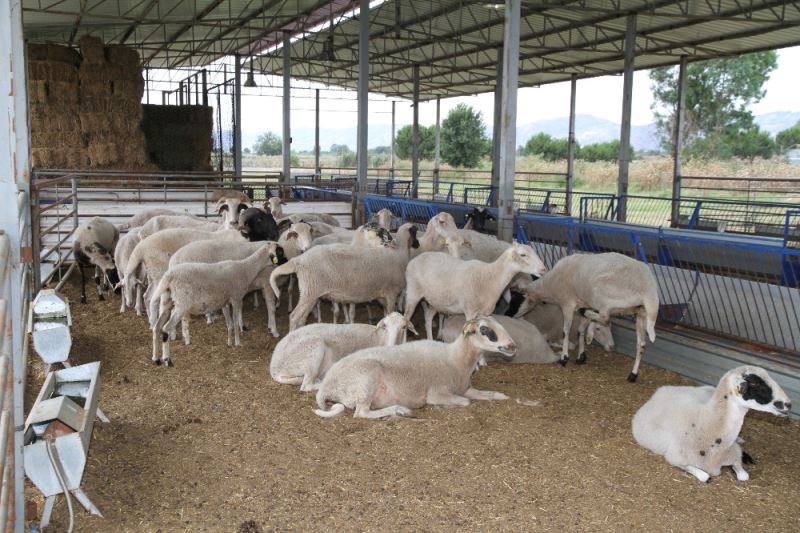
(140, 18)
(186, 27)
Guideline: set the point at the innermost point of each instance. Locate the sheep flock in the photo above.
(496, 301)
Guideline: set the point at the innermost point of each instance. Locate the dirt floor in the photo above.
(215, 445)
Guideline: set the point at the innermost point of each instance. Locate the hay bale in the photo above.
(37, 91)
(53, 52)
(92, 50)
(124, 57)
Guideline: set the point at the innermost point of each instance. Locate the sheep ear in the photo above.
(292, 235)
(283, 224)
(221, 208)
(241, 207)
(381, 324)
(470, 328)
(411, 328)
(267, 208)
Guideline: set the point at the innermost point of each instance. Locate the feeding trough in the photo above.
(57, 435)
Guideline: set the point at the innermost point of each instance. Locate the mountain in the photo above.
(588, 128)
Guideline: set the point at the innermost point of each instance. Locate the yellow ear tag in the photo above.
(442, 242)
(274, 260)
(509, 255)
(371, 233)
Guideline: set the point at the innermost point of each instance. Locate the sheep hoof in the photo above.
(244, 327)
(168, 363)
(581, 359)
(632, 377)
(747, 458)
(157, 362)
(83, 299)
(563, 361)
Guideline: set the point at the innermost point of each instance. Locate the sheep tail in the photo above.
(335, 410)
(651, 311)
(282, 270)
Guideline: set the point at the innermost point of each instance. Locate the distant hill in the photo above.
(589, 129)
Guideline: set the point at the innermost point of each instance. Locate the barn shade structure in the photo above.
(420, 50)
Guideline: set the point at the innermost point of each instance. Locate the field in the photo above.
(215, 445)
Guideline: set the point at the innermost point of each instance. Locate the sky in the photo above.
(601, 97)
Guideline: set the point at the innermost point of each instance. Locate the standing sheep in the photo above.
(230, 204)
(94, 246)
(139, 219)
(122, 253)
(162, 222)
(697, 428)
(599, 286)
(391, 380)
(306, 354)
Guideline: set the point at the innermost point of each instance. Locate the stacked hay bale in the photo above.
(53, 99)
(179, 137)
(111, 89)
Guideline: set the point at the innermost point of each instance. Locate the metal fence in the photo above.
(747, 189)
(741, 287)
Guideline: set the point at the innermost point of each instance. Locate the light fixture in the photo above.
(251, 80)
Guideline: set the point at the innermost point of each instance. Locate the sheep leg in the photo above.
(696, 472)
(300, 314)
(319, 357)
(269, 297)
(430, 312)
(255, 300)
(363, 411)
(176, 316)
(412, 300)
(290, 292)
(584, 323)
(98, 278)
(187, 337)
(335, 312)
(318, 311)
(83, 283)
(388, 311)
(475, 394)
(640, 336)
(139, 299)
(229, 323)
(444, 398)
(238, 322)
(569, 313)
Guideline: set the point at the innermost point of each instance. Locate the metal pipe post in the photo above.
(508, 134)
(437, 148)
(237, 117)
(317, 169)
(363, 105)
(625, 133)
(415, 137)
(204, 74)
(287, 130)
(497, 123)
(573, 85)
(391, 144)
(677, 144)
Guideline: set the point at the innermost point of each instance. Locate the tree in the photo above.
(751, 143)
(268, 144)
(550, 149)
(608, 151)
(788, 137)
(464, 139)
(427, 142)
(718, 92)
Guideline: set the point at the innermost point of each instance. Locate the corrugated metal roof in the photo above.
(455, 42)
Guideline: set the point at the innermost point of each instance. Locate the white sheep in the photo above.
(532, 347)
(697, 428)
(550, 322)
(384, 218)
(599, 286)
(94, 245)
(139, 219)
(451, 286)
(275, 206)
(392, 380)
(215, 252)
(305, 355)
(161, 222)
(229, 204)
(323, 222)
(122, 253)
(201, 288)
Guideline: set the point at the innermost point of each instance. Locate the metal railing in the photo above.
(748, 189)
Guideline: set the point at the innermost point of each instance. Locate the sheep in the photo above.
(347, 274)
(486, 248)
(94, 245)
(200, 288)
(392, 380)
(139, 219)
(258, 225)
(599, 286)
(306, 354)
(384, 218)
(697, 428)
(477, 218)
(230, 204)
(122, 253)
(275, 207)
(532, 345)
(360, 236)
(324, 223)
(452, 286)
(162, 222)
(215, 252)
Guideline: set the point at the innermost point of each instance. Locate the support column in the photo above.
(391, 144)
(497, 123)
(677, 144)
(363, 106)
(625, 133)
(508, 126)
(437, 148)
(573, 85)
(237, 116)
(317, 169)
(415, 137)
(287, 100)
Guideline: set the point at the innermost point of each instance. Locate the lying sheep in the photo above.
(599, 286)
(306, 354)
(697, 428)
(139, 219)
(94, 245)
(477, 219)
(451, 286)
(201, 288)
(258, 225)
(122, 253)
(216, 252)
(532, 347)
(162, 222)
(392, 380)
